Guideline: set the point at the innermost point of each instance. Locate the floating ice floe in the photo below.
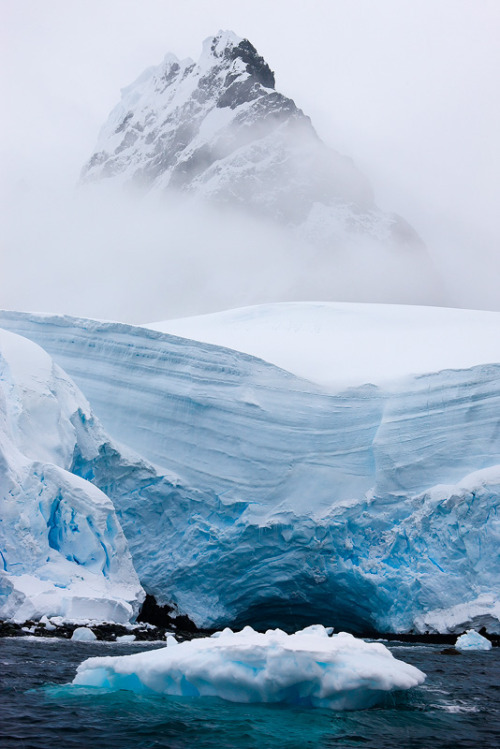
(472, 640)
(83, 634)
(49, 626)
(307, 668)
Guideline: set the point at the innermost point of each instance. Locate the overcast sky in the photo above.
(407, 88)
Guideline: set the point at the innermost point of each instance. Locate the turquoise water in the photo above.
(459, 706)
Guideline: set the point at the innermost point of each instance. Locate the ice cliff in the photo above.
(217, 129)
(62, 550)
(268, 500)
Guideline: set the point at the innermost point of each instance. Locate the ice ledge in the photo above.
(84, 598)
(483, 611)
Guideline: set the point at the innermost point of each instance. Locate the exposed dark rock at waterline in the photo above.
(109, 632)
(164, 616)
(105, 632)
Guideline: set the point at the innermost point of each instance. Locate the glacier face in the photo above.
(217, 129)
(263, 499)
(63, 552)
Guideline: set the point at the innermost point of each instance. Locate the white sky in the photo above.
(407, 88)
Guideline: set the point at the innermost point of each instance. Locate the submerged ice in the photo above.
(251, 496)
(308, 668)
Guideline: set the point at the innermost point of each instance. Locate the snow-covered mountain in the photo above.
(274, 501)
(217, 129)
(63, 552)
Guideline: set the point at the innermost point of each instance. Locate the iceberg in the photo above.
(308, 668)
(83, 634)
(472, 640)
(125, 638)
(249, 495)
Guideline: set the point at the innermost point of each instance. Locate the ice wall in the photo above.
(63, 552)
(274, 503)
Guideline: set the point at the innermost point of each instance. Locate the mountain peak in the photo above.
(227, 47)
(223, 41)
(217, 129)
(181, 119)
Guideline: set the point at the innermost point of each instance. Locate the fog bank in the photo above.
(100, 253)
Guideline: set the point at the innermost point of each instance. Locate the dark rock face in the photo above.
(164, 616)
(256, 65)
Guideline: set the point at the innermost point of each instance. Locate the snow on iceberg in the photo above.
(472, 640)
(307, 668)
(62, 550)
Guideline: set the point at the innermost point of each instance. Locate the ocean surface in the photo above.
(458, 706)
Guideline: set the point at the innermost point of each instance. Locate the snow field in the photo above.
(341, 344)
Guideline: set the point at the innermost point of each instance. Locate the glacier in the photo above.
(249, 495)
(62, 550)
(308, 668)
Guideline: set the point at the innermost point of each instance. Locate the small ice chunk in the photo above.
(126, 638)
(472, 640)
(171, 641)
(308, 668)
(83, 634)
(48, 624)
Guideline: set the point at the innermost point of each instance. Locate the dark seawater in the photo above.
(458, 707)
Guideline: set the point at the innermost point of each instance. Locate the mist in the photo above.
(102, 253)
(404, 89)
